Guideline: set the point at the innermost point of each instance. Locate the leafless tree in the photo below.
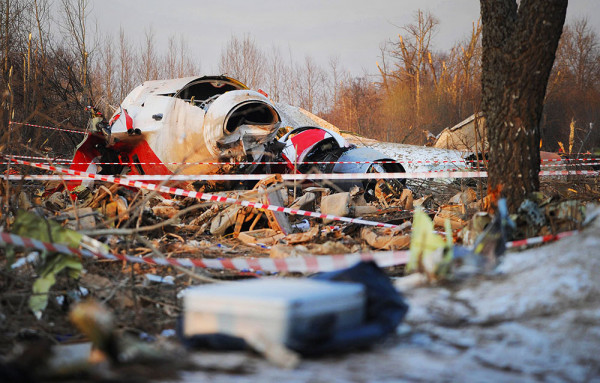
(312, 86)
(171, 57)
(413, 53)
(148, 70)
(242, 59)
(42, 16)
(468, 76)
(126, 59)
(579, 51)
(336, 79)
(75, 29)
(573, 92)
(276, 74)
(187, 65)
(106, 71)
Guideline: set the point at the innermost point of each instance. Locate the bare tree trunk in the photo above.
(519, 45)
(75, 26)
(6, 37)
(149, 58)
(126, 58)
(242, 59)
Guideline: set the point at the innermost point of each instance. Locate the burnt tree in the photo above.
(519, 44)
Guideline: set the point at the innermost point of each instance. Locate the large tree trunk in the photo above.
(519, 44)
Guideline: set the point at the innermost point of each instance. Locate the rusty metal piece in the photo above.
(165, 211)
(296, 238)
(406, 199)
(475, 227)
(271, 194)
(385, 238)
(284, 251)
(385, 192)
(454, 213)
(243, 215)
(337, 204)
(258, 215)
(261, 236)
(465, 197)
(566, 215)
(117, 208)
(102, 193)
(205, 216)
(224, 220)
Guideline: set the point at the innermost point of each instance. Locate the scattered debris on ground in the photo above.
(129, 311)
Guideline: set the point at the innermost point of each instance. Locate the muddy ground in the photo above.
(536, 318)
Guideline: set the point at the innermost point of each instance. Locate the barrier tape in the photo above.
(307, 264)
(78, 176)
(566, 165)
(558, 162)
(38, 158)
(47, 127)
(274, 163)
(253, 177)
(277, 163)
(202, 196)
(256, 177)
(310, 264)
(541, 239)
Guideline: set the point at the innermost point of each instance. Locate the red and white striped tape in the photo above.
(558, 162)
(286, 177)
(545, 173)
(67, 161)
(284, 163)
(48, 127)
(540, 239)
(202, 196)
(309, 264)
(46, 159)
(300, 163)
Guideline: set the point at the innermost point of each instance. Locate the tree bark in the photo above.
(519, 45)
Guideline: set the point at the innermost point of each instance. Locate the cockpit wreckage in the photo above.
(215, 125)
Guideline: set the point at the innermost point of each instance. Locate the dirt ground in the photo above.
(537, 318)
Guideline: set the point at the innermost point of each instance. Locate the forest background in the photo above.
(52, 69)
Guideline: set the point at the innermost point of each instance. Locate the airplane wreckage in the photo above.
(215, 124)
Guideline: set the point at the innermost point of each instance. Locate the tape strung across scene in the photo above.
(309, 264)
(201, 196)
(556, 163)
(46, 159)
(286, 177)
(463, 161)
(551, 162)
(540, 239)
(48, 127)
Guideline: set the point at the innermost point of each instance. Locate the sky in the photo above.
(350, 30)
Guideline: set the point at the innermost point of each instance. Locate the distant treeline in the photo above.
(52, 69)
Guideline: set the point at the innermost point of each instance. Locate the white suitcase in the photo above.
(276, 309)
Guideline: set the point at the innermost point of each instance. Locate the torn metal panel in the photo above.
(205, 119)
(468, 135)
(309, 143)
